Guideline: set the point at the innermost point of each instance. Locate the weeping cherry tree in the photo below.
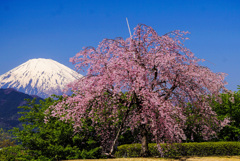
(145, 82)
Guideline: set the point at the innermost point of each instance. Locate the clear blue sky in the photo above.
(58, 29)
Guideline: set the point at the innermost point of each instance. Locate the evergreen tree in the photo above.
(54, 139)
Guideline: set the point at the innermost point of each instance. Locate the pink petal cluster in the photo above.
(159, 75)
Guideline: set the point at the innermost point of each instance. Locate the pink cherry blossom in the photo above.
(159, 77)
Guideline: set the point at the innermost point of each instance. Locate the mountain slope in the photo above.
(42, 77)
(10, 99)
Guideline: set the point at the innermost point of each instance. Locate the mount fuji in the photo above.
(41, 77)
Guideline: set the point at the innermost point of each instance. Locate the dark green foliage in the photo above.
(128, 150)
(127, 138)
(5, 139)
(54, 139)
(182, 149)
(18, 153)
(229, 108)
(193, 121)
(196, 123)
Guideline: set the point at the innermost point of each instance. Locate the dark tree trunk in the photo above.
(144, 151)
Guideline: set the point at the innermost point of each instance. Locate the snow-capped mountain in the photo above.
(42, 77)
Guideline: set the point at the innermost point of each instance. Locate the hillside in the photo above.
(10, 99)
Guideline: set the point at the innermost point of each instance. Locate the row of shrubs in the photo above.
(17, 153)
(133, 150)
(182, 149)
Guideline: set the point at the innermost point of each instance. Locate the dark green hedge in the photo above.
(182, 149)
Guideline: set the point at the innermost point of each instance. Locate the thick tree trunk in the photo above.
(144, 151)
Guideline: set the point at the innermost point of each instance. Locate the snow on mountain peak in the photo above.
(42, 77)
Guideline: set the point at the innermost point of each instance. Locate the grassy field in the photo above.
(225, 158)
